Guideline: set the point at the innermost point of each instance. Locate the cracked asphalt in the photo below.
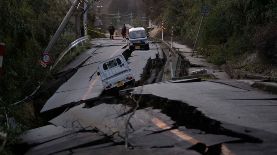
(184, 117)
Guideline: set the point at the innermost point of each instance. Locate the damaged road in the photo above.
(84, 84)
(158, 116)
(218, 108)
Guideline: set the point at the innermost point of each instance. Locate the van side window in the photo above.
(118, 61)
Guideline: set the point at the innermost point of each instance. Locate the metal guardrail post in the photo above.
(2, 52)
(73, 44)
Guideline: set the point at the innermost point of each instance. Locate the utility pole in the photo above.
(204, 12)
(118, 18)
(171, 37)
(131, 18)
(85, 18)
(149, 23)
(197, 35)
(162, 30)
(61, 27)
(78, 26)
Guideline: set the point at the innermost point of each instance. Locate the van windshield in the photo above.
(137, 34)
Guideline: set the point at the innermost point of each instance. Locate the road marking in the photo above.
(90, 88)
(226, 151)
(159, 123)
(184, 136)
(115, 53)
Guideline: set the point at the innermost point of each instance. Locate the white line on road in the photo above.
(159, 123)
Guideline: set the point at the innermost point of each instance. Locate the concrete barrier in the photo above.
(266, 86)
(181, 64)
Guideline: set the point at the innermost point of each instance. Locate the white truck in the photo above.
(115, 73)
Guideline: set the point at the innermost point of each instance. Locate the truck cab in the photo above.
(138, 39)
(115, 73)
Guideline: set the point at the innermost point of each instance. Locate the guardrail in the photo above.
(73, 44)
(179, 69)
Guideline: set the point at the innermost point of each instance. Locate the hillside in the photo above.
(26, 28)
(241, 34)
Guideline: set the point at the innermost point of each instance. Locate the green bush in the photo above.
(217, 57)
(239, 27)
(26, 28)
(266, 43)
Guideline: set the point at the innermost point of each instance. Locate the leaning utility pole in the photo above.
(197, 35)
(118, 18)
(131, 18)
(204, 12)
(85, 18)
(61, 27)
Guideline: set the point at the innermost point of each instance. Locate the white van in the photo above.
(115, 72)
(138, 39)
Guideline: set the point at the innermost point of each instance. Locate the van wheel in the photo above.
(132, 48)
(131, 84)
(147, 47)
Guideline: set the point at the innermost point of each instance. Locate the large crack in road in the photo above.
(151, 122)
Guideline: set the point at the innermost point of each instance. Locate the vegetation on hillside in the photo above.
(232, 28)
(26, 28)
